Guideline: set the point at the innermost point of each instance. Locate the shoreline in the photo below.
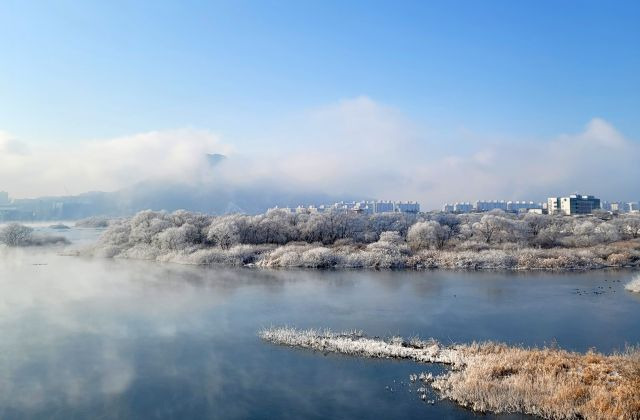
(313, 257)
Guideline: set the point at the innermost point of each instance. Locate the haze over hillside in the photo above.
(209, 194)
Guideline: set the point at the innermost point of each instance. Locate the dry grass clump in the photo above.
(549, 382)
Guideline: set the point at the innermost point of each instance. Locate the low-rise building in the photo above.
(463, 207)
(490, 205)
(383, 207)
(614, 206)
(522, 206)
(406, 207)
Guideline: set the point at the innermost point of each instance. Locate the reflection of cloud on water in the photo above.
(75, 330)
(43, 370)
(70, 327)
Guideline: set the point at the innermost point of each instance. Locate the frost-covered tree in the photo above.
(489, 227)
(224, 232)
(450, 220)
(179, 238)
(146, 224)
(629, 225)
(607, 232)
(429, 234)
(388, 252)
(16, 234)
(533, 224)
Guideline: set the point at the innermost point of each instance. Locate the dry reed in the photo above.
(548, 382)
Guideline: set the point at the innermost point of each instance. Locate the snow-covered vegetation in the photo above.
(354, 343)
(94, 222)
(634, 285)
(16, 235)
(278, 238)
(548, 382)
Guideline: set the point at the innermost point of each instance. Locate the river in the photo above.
(100, 338)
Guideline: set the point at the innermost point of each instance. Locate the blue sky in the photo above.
(515, 71)
(76, 70)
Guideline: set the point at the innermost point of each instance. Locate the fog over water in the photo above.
(134, 339)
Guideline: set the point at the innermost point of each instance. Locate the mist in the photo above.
(353, 149)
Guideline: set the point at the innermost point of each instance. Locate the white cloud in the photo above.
(106, 164)
(12, 146)
(367, 149)
(597, 160)
(356, 146)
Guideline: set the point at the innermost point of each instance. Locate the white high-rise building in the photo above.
(490, 205)
(447, 208)
(406, 207)
(463, 207)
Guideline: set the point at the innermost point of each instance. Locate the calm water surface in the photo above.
(126, 339)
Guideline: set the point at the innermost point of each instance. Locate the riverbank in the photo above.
(383, 255)
(492, 377)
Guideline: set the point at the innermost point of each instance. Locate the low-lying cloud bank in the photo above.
(356, 146)
(106, 165)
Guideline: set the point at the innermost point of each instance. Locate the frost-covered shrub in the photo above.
(619, 259)
(320, 257)
(140, 251)
(628, 225)
(178, 238)
(146, 224)
(94, 222)
(285, 256)
(390, 251)
(17, 235)
(472, 245)
(428, 234)
(634, 285)
(235, 256)
(116, 236)
(224, 232)
(424, 259)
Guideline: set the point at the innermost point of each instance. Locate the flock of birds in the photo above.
(599, 290)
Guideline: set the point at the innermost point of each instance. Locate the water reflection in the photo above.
(101, 338)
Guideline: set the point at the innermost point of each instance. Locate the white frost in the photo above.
(634, 285)
(355, 344)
